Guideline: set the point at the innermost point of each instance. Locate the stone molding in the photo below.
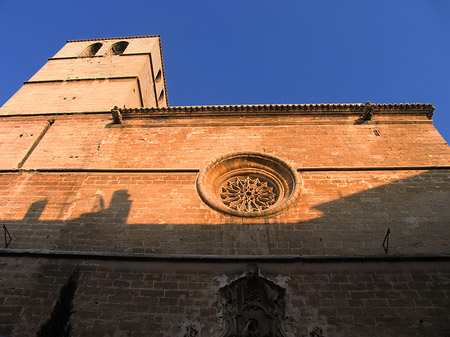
(357, 109)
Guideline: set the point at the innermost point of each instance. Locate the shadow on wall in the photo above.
(117, 211)
(88, 227)
(413, 208)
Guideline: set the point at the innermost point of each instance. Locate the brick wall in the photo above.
(160, 299)
(92, 67)
(93, 142)
(337, 213)
(62, 97)
(78, 194)
(16, 138)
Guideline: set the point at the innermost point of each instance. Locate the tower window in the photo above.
(119, 47)
(158, 76)
(91, 50)
(161, 95)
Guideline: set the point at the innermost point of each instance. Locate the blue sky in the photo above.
(255, 52)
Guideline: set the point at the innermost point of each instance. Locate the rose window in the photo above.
(248, 184)
(248, 194)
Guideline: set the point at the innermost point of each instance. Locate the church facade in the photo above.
(128, 217)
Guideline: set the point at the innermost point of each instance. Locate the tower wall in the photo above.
(73, 81)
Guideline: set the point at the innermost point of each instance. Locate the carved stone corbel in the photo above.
(430, 113)
(369, 110)
(116, 115)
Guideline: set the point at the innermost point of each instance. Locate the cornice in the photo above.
(208, 258)
(360, 109)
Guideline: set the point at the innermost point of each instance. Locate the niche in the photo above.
(119, 47)
(91, 50)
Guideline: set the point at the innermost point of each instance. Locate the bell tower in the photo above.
(95, 75)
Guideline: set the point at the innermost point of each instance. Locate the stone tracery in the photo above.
(248, 194)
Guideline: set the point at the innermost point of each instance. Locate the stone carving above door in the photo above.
(252, 306)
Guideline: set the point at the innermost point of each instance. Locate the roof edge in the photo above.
(164, 72)
(114, 38)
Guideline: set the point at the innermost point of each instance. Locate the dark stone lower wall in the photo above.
(145, 298)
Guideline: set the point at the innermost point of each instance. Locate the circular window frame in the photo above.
(268, 167)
